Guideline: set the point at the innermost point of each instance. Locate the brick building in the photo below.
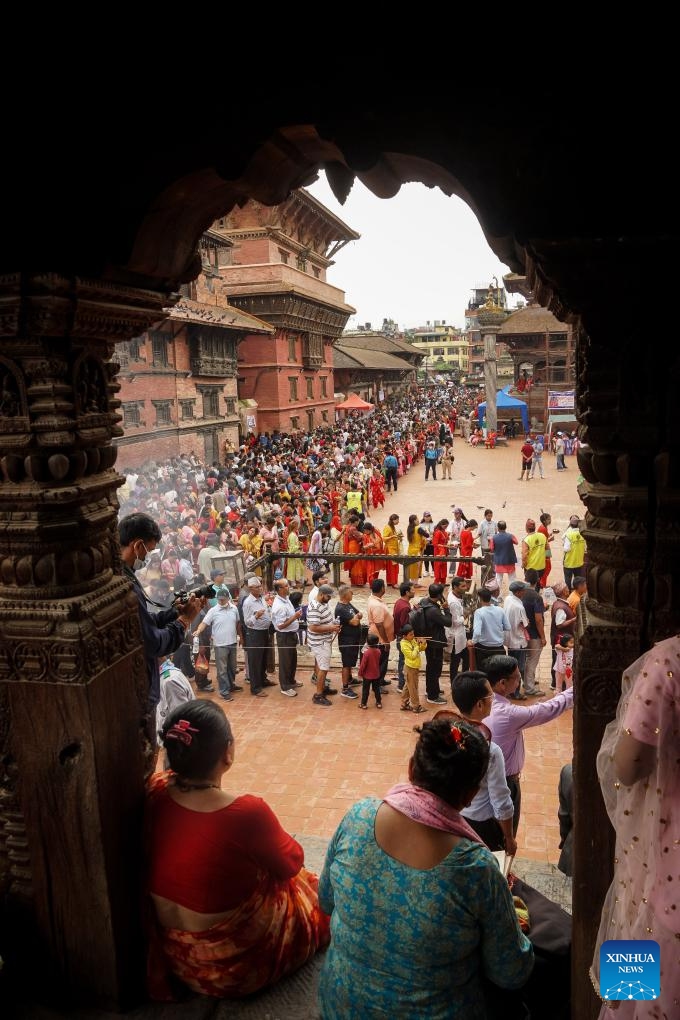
(178, 381)
(442, 346)
(275, 270)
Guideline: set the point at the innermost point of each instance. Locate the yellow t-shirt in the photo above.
(355, 500)
(536, 544)
(411, 651)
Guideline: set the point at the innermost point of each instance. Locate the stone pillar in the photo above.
(490, 380)
(72, 677)
(489, 318)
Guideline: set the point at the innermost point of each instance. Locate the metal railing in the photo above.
(337, 559)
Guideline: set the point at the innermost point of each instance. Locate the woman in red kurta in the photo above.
(465, 548)
(377, 488)
(235, 910)
(440, 541)
(545, 520)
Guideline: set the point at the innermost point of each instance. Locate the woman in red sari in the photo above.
(353, 543)
(440, 541)
(235, 909)
(373, 546)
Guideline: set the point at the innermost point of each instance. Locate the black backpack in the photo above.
(416, 619)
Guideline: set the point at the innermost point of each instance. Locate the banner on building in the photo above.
(250, 421)
(561, 400)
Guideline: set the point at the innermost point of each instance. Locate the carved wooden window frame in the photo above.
(163, 411)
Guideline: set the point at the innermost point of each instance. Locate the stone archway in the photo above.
(66, 304)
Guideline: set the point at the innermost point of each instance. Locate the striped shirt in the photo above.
(318, 614)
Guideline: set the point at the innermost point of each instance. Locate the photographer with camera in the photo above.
(162, 632)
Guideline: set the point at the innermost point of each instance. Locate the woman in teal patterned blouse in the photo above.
(420, 912)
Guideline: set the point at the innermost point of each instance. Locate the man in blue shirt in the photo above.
(489, 629)
(391, 465)
(431, 459)
(223, 619)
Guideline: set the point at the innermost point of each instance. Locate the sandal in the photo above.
(419, 709)
(379, 706)
(364, 707)
(405, 708)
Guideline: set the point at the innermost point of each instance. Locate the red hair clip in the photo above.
(181, 730)
(456, 735)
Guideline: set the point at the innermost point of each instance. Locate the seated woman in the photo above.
(420, 912)
(235, 909)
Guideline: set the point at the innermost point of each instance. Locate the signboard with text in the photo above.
(561, 400)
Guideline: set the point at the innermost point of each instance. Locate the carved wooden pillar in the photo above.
(72, 677)
(631, 558)
(626, 408)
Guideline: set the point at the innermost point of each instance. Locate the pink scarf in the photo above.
(428, 809)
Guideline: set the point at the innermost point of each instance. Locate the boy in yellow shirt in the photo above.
(411, 648)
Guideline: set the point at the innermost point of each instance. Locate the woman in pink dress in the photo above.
(638, 771)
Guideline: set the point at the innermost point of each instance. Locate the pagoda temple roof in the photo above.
(532, 319)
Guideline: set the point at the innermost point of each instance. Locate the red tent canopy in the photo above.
(354, 403)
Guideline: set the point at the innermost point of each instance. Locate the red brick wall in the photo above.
(171, 443)
(253, 251)
(265, 369)
(151, 441)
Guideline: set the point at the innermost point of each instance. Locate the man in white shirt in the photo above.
(517, 640)
(491, 810)
(175, 691)
(453, 530)
(459, 650)
(487, 529)
(224, 620)
(286, 620)
(257, 618)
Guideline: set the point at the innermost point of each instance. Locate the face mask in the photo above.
(138, 564)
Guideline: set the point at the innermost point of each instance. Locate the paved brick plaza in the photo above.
(311, 763)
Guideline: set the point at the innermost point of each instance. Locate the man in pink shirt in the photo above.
(507, 720)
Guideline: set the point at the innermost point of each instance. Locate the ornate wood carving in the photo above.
(212, 352)
(68, 620)
(289, 311)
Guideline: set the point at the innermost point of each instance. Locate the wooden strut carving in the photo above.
(66, 613)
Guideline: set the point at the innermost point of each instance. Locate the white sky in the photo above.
(419, 257)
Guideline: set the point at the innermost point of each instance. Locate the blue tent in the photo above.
(505, 401)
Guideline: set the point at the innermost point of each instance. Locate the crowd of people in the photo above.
(312, 495)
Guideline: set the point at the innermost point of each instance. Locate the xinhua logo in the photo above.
(630, 970)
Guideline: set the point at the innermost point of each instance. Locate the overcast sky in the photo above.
(419, 257)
